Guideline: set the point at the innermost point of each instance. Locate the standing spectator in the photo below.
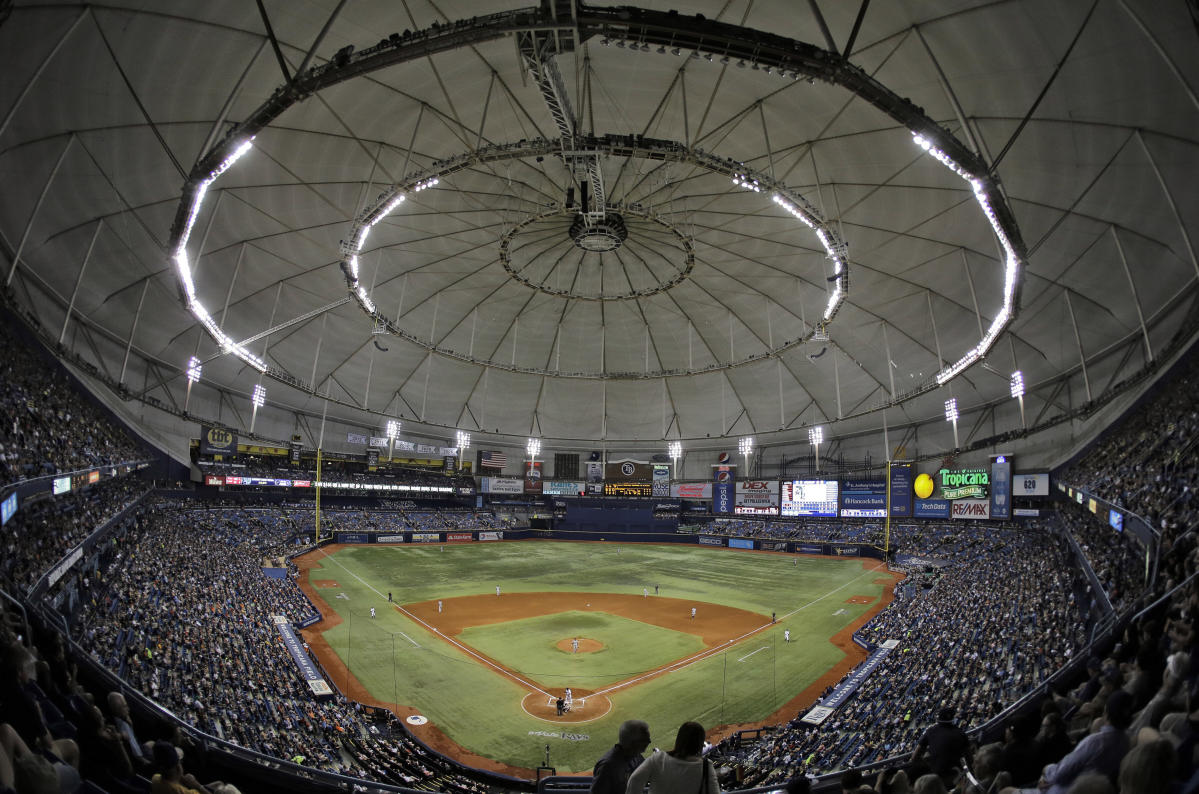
(613, 768)
(945, 744)
(682, 770)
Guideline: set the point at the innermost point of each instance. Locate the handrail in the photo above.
(24, 615)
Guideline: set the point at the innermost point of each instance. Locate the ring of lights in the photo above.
(606, 232)
(639, 30)
(742, 177)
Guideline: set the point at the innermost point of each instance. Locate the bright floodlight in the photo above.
(193, 369)
(951, 410)
(746, 445)
(674, 450)
(463, 441)
(1017, 384)
(393, 429)
(816, 436)
(534, 447)
(259, 396)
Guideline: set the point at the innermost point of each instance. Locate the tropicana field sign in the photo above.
(964, 483)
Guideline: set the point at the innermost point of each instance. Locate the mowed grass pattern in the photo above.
(399, 660)
(529, 647)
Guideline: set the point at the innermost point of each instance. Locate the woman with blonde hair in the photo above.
(683, 770)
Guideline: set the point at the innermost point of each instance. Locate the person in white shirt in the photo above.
(683, 770)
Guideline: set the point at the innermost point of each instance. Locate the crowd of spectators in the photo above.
(182, 611)
(991, 627)
(47, 424)
(42, 532)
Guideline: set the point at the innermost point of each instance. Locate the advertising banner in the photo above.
(708, 540)
(691, 490)
(722, 498)
(661, 480)
(972, 508)
(217, 441)
(757, 497)
(1030, 484)
(773, 545)
(8, 509)
(901, 489)
(595, 471)
(809, 548)
(389, 539)
(845, 551)
(1026, 512)
(532, 476)
(503, 485)
(315, 681)
(491, 536)
(351, 537)
(425, 537)
(964, 483)
(380, 442)
(851, 684)
(561, 488)
(740, 543)
(1001, 487)
(213, 479)
(358, 439)
(931, 508)
(864, 499)
(372, 457)
(458, 537)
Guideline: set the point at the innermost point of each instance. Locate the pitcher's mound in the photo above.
(585, 645)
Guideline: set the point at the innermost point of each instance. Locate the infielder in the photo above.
(786, 635)
(574, 645)
(645, 592)
(372, 612)
(497, 589)
(439, 605)
(693, 613)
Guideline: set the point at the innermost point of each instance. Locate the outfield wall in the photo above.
(673, 536)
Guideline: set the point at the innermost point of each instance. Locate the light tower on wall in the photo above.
(1018, 393)
(816, 438)
(258, 398)
(951, 415)
(746, 446)
(194, 367)
(463, 442)
(393, 431)
(674, 450)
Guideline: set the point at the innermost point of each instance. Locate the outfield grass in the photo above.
(399, 660)
(630, 647)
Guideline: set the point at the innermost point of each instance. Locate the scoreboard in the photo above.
(809, 498)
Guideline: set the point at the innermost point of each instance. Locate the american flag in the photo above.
(492, 460)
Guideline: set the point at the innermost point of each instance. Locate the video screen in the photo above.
(809, 498)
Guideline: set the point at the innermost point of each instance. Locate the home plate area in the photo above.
(584, 708)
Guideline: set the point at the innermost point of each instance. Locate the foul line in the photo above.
(746, 656)
(414, 642)
(699, 657)
(445, 637)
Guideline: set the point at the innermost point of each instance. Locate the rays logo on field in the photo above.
(570, 737)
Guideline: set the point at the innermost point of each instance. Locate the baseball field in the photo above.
(479, 673)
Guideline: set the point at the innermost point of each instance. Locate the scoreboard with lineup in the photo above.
(809, 498)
